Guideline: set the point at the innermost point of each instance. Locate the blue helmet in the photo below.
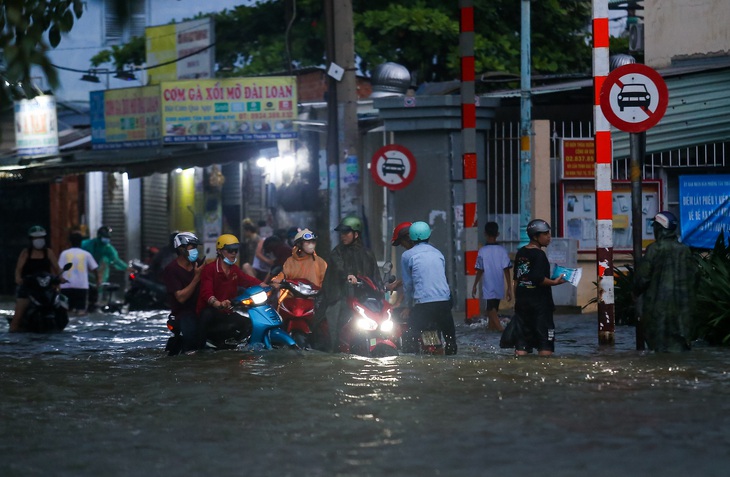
(666, 219)
(419, 231)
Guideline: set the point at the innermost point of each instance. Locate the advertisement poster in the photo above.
(579, 158)
(229, 110)
(167, 43)
(36, 126)
(125, 118)
(704, 209)
(579, 213)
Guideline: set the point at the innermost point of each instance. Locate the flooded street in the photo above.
(103, 399)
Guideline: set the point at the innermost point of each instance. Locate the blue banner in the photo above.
(704, 208)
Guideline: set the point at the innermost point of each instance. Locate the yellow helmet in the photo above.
(226, 239)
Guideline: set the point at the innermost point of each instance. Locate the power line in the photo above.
(93, 70)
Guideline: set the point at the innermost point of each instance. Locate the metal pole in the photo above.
(469, 152)
(637, 146)
(525, 124)
(604, 191)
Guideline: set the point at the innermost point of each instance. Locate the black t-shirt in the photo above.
(176, 278)
(530, 270)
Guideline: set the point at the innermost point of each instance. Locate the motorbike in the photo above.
(144, 292)
(370, 330)
(266, 323)
(296, 308)
(48, 309)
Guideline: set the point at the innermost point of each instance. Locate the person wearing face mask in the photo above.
(219, 282)
(34, 259)
(304, 263)
(182, 280)
(106, 256)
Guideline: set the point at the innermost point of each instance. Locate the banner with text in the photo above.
(36, 126)
(704, 209)
(229, 110)
(579, 158)
(184, 50)
(125, 118)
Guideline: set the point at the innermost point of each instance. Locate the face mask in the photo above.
(39, 243)
(106, 241)
(230, 262)
(193, 254)
(308, 248)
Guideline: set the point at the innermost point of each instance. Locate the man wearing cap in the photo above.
(665, 278)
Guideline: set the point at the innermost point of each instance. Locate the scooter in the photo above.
(265, 321)
(144, 293)
(48, 309)
(370, 330)
(296, 308)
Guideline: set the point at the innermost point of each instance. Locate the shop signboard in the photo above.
(229, 110)
(36, 126)
(704, 209)
(125, 118)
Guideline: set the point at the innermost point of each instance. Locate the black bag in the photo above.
(511, 333)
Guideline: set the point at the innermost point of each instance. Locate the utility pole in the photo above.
(343, 110)
(525, 123)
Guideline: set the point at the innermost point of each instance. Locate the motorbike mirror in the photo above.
(387, 267)
(68, 266)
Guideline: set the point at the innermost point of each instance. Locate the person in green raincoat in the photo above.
(665, 278)
(106, 256)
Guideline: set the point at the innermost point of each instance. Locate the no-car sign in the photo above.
(634, 98)
(393, 166)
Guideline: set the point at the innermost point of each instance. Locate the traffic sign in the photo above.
(393, 166)
(634, 97)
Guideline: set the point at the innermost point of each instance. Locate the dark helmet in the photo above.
(104, 231)
(349, 224)
(36, 231)
(666, 219)
(183, 239)
(537, 226)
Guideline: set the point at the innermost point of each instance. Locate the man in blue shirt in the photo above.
(424, 280)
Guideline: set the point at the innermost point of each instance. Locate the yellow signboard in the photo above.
(128, 117)
(232, 109)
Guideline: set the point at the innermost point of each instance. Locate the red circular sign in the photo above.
(393, 166)
(634, 97)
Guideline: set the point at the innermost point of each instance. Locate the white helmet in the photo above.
(183, 239)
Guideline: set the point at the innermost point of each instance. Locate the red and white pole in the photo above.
(469, 151)
(604, 193)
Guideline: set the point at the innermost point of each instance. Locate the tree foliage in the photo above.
(27, 29)
(423, 35)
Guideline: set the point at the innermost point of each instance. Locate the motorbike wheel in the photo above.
(302, 339)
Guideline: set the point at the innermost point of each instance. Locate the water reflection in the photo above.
(103, 399)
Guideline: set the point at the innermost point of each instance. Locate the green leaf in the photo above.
(54, 36)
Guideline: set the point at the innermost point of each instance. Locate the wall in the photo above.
(681, 29)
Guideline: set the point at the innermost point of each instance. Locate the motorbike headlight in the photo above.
(364, 322)
(259, 298)
(386, 326)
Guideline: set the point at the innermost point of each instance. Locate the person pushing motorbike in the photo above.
(348, 259)
(219, 282)
(424, 280)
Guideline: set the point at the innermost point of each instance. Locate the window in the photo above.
(117, 32)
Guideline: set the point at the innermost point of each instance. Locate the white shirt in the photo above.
(83, 263)
(492, 259)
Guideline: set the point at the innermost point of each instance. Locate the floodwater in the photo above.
(102, 399)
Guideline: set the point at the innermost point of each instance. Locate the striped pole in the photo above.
(469, 151)
(604, 197)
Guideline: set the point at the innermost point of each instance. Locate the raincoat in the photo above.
(665, 277)
(308, 267)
